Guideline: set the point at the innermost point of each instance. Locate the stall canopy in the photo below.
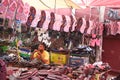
(51, 4)
(98, 2)
(86, 5)
(62, 7)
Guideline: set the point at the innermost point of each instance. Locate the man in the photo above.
(41, 54)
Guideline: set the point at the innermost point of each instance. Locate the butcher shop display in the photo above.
(88, 71)
(71, 41)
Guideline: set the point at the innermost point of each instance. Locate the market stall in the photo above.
(72, 39)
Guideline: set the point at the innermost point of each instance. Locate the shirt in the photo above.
(44, 56)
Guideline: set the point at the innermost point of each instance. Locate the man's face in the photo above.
(41, 47)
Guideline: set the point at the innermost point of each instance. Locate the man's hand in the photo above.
(35, 50)
(38, 54)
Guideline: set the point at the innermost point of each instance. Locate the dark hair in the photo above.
(42, 43)
(34, 47)
(37, 45)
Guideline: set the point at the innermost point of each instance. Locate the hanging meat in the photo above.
(26, 10)
(58, 22)
(67, 26)
(83, 26)
(63, 23)
(72, 21)
(20, 14)
(79, 24)
(42, 19)
(95, 28)
(11, 10)
(3, 6)
(47, 20)
(50, 26)
(35, 21)
(87, 26)
(90, 26)
(100, 29)
(118, 27)
(114, 27)
(31, 16)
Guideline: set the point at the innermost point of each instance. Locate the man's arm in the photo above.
(46, 57)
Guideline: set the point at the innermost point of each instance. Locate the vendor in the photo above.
(41, 54)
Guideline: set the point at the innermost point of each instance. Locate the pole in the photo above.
(55, 7)
(14, 29)
(17, 45)
(101, 19)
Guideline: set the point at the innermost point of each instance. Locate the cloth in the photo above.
(44, 56)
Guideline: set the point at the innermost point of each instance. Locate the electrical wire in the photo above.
(55, 7)
(44, 4)
(67, 4)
